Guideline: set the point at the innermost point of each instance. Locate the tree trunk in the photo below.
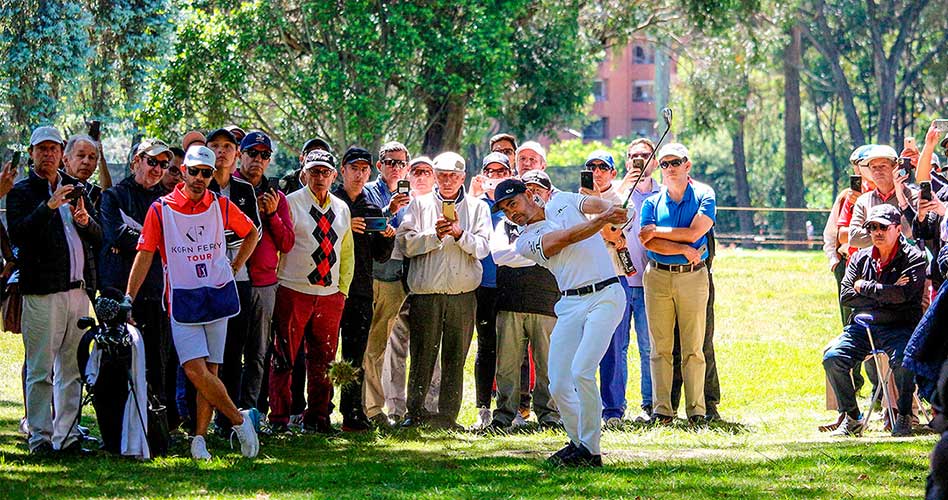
(745, 218)
(445, 124)
(795, 222)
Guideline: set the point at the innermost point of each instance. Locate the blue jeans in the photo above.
(852, 347)
(640, 321)
(613, 369)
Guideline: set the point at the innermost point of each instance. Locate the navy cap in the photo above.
(495, 157)
(602, 156)
(356, 153)
(508, 188)
(221, 132)
(883, 214)
(256, 138)
(315, 143)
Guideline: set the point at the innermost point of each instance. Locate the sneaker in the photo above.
(277, 429)
(556, 425)
(483, 418)
(850, 427)
(296, 422)
(396, 420)
(495, 427)
(525, 413)
(645, 416)
(903, 426)
(24, 427)
(247, 435)
(519, 422)
(321, 427)
(613, 423)
(199, 449)
(557, 458)
(44, 449)
(581, 457)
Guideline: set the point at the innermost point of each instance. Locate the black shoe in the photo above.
(903, 426)
(581, 457)
(320, 427)
(446, 424)
(43, 450)
(396, 419)
(698, 421)
(494, 427)
(659, 419)
(380, 421)
(553, 425)
(711, 414)
(557, 458)
(411, 422)
(356, 425)
(277, 429)
(74, 449)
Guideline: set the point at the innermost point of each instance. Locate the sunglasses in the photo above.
(874, 226)
(253, 153)
(207, 173)
(394, 163)
(506, 151)
(604, 167)
(672, 163)
(153, 162)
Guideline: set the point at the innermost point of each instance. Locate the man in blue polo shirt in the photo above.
(675, 224)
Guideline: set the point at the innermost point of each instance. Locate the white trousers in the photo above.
(51, 340)
(583, 331)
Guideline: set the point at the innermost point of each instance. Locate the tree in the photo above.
(793, 153)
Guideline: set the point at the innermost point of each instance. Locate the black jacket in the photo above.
(290, 182)
(37, 233)
(120, 236)
(530, 289)
(242, 195)
(367, 247)
(889, 304)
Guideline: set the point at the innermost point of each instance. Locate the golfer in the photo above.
(187, 228)
(558, 236)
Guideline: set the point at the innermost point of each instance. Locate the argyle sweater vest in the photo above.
(314, 264)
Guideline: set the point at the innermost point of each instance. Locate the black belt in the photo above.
(678, 268)
(76, 284)
(586, 290)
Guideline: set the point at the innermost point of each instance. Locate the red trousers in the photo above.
(312, 319)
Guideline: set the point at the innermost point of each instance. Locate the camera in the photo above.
(905, 166)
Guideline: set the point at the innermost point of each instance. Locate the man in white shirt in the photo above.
(559, 237)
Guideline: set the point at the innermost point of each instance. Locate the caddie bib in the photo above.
(201, 282)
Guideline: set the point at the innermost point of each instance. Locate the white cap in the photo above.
(199, 155)
(880, 151)
(420, 159)
(675, 149)
(44, 134)
(533, 146)
(449, 161)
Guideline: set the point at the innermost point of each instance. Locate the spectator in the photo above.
(506, 145)
(237, 132)
(884, 280)
(646, 187)
(187, 227)
(56, 241)
(531, 156)
(277, 238)
(192, 138)
(368, 247)
(495, 168)
(675, 223)
(881, 162)
(124, 208)
(445, 249)
(172, 175)
(314, 281)
(241, 193)
(526, 296)
(294, 180)
(387, 290)
(80, 159)
(931, 213)
(613, 369)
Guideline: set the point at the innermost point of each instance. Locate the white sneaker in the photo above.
(247, 435)
(24, 427)
(296, 422)
(483, 418)
(199, 449)
(519, 422)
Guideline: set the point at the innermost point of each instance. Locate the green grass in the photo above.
(775, 312)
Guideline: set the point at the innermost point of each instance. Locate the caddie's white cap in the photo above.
(880, 151)
(533, 146)
(199, 156)
(44, 134)
(449, 161)
(675, 149)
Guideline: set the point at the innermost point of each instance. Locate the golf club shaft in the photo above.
(651, 157)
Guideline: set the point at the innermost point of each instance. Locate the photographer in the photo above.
(890, 189)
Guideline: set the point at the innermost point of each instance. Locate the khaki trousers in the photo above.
(683, 296)
(389, 297)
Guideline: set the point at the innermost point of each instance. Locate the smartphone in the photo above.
(404, 187)
(905, 166)
(447, 208)
(14, 161)
(638, 163)
(909, 143)
(941, 125)
(926, 190)
(95, 130)
(855, 183)
(375, 224)
(586, 179)
(77, 192)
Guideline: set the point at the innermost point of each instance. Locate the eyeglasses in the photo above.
(253, 153)
(599, 165)
(633, 156)
(388, 162)
(506, 151)
(492, 172)
(321, 172)
(153, 162)
(422, 172)
(874, 226)
(672, 163)
(207, 173)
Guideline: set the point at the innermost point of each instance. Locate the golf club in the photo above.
(667, 116)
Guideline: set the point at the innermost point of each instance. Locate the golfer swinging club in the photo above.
(558, 236)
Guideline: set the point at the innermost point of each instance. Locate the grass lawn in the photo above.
(775, 312)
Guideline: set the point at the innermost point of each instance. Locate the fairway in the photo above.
(775, 312)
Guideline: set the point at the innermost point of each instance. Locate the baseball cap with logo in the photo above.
(495, 157)
(508, 188)
(674, 149)
(199, 156)
(859, 154)
(539, 178)
(883, 214)
(449, 161)
(222, 133)
(355, 153)
(44, 134)
(319, 158)
(602, 156)
(152, 147)
(256, 138)
(532, 146)
(877, 151)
